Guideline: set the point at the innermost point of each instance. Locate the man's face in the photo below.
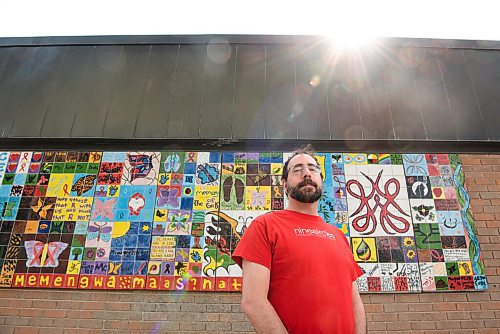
(304, 182)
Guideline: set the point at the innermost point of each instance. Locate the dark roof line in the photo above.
(260, 145)
(247, 39)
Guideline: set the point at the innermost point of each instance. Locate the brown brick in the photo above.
(479, 296)
(374, 308)
(419, 307)
(492, 175)
(492, 323)
(51, 331)
(494, 305)
(17, 321)
(408, 316)
(93, 323)
(17, 303)
(65, 322)
(400, 307)
(484, 216)
(471, 324)
(192, 326)
(483, 314)
(407, 298)
(458, 315)
(491, 209)
(54, 313)
(455, 297)
(493, 224)
(82, 314)
(471, 160)
(495, 296)
(493, 187)
(230, 298)
(25, 330)
(480, 202)
(116, 324)
(398, 326)
(490, 195)
(231, 317)
(41, 322)
(91, 305)
(468, 306)
(141, 307)
(431, 297)
(144, 325)
(483, 181)
(168, 307)
(169, 326)
(120, 306)
(193, 308)
(376, 326)
(382, 298)
(218, 308)
(480, 168)
(241, 327)
(446, 306)
(218, 326)
(5, 311)
(423, 325)
(384, 317)
(447, 324)
(486, 331)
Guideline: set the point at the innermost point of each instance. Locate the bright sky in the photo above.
(454, 19)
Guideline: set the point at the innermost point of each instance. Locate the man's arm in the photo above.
(254, 301)
(359, 310)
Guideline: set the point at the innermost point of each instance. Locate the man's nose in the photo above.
(307, 173)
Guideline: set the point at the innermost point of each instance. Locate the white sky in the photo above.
(458, 19)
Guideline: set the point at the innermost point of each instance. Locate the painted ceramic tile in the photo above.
(170, 220)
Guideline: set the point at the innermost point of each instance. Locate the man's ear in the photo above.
(283, 184)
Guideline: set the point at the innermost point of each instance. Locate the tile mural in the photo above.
(170, 220)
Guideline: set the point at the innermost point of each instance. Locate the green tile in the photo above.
(70, 167)
(93, 168)
(58, 167)
(81, 167)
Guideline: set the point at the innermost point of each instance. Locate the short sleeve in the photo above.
(254, 246)
(355, 269)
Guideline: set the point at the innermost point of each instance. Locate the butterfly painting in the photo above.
(104, 209)
(41, 210)
(99, 231)
(179, 223)
(43, 255)
(84, 184)
(207, 173)
(140, 164)
(168, 197)
(114, 268)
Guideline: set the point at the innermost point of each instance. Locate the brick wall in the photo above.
(62, 311)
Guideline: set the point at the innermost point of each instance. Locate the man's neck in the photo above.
(307, 208)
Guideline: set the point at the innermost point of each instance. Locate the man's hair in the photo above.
(308, 149)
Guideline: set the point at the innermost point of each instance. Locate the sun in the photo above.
(120, 229)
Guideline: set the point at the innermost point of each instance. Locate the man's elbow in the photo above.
(249, 304)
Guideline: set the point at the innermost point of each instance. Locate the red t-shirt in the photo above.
(312, 270)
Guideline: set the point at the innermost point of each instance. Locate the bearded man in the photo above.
(299, 275)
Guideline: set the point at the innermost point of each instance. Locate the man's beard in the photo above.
(305, 196)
